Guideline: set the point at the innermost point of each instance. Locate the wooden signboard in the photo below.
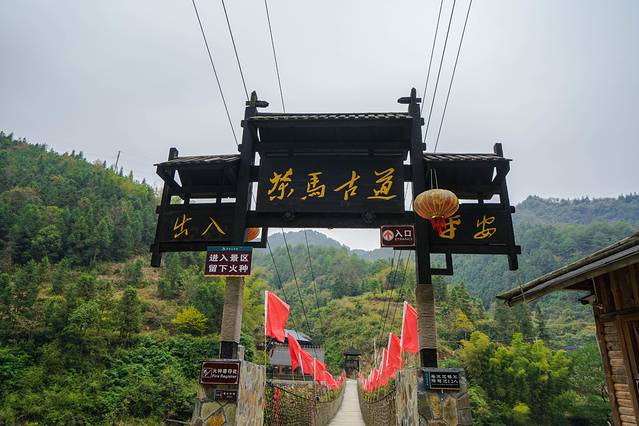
(220, 372)
(474, 225)
(330, 184)
(196, 223)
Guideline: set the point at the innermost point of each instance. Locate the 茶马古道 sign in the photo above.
(331, 183)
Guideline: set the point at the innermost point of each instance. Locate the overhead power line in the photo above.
(439, 71)
(217, 79)
(432, 51)
(237, 57)
(461, 40)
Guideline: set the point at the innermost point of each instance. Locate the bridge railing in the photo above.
(378, 408)
(288, 404)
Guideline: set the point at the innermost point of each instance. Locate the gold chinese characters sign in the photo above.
(331, 184)
(474, 224)
(196, 223)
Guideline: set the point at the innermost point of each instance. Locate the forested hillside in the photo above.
(90, 334)
(60, 206)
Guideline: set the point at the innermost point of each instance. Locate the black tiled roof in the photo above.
(463, 157)
(332, 117)
(201, 160)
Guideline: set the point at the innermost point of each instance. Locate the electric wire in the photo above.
(439, 131)
(277, 68)
(237, 57)
(441, 62)
(432, 52)
(217, 79)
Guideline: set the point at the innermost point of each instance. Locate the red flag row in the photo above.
(276, 313)
(392, 355)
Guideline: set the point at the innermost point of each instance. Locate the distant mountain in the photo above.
(583, 211)
(294, 238)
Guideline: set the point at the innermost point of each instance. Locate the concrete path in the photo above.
(349, 413)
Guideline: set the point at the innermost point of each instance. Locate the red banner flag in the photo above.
(384, 370)
(275, 316)
(307, 362)
(409, 341)
(295, 350)
(394, 357)
(320, 371)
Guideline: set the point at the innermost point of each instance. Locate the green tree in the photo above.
(190, 320)
(129, 314)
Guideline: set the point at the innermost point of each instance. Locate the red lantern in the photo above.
(252, 233)
(436, 205)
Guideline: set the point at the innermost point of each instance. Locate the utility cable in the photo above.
(453, 76)
(441, 62)
(219, 86)
(237, 57)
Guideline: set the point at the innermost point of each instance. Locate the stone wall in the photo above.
(444, 408)
(250, 404)
(406, 397)
(248, 410)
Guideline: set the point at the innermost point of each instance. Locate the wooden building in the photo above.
(351, 362)
(610, 280)
(280, 356)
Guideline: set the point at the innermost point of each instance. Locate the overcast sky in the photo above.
(555, 81)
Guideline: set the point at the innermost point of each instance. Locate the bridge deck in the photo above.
(349, 413)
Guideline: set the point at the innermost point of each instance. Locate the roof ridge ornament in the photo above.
(255, 102)
(405, 100)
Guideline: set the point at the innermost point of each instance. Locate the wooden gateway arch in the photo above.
(333, 170)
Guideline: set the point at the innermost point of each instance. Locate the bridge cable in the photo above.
(401, 288)
(432, 51)
(441, 62)
(393, 280)
(310, 264)
(277, 68)
(453, 76)
(217, 79)
(308, 251)
(237, 57)
(299, 293)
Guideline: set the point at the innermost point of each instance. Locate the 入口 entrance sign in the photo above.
(397, 236)
(228, 261)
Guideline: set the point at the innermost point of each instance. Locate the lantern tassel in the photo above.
(438, 223)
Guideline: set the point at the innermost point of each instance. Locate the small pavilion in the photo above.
(351, 361)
